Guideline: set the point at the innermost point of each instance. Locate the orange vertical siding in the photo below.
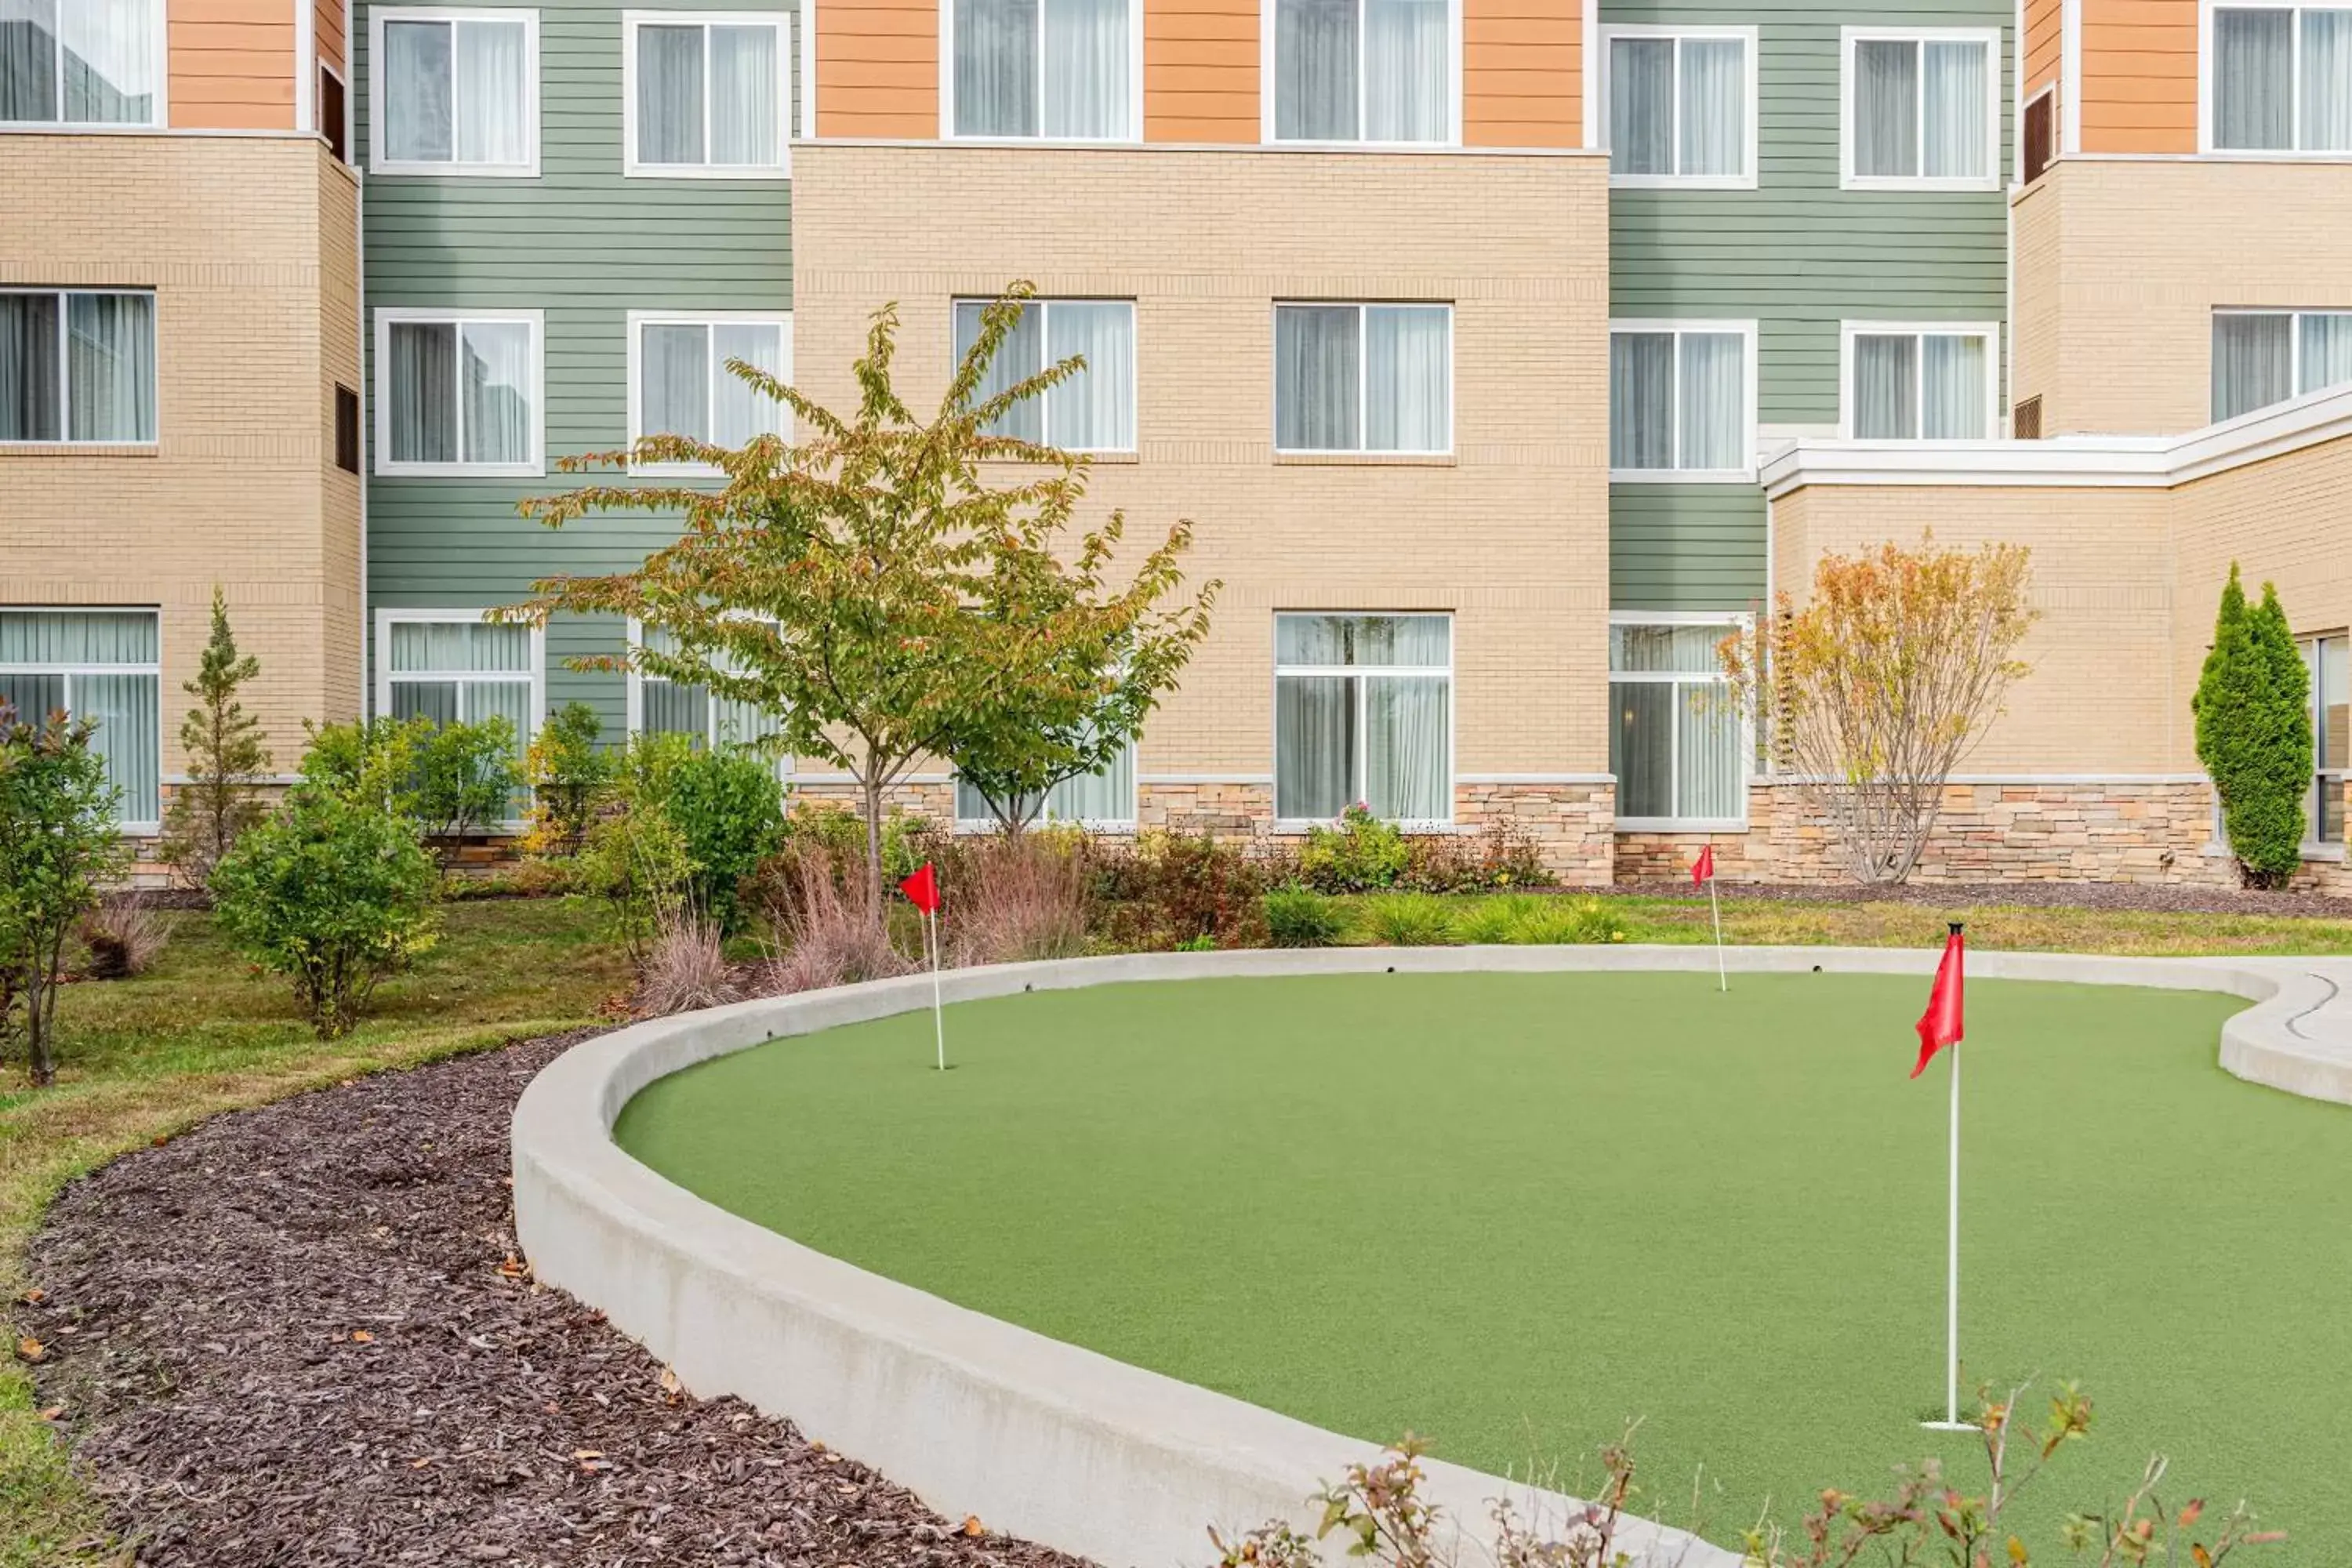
(1201, 70)
(1522, 73)
(2140, 76)
(326, 28)
(877, 68)
(2045, 44)
(232, 65)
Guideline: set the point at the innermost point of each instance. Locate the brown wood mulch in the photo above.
(296, 1335)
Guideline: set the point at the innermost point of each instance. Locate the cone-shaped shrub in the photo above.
(2254, 734)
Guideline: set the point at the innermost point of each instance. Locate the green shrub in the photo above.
(371, 762)
(59, 846)
(1359, 854)
(1297, 917)
(1174, 889)
(1408, 919)
(333, 893)
(568, 771)
(1490, 923)
(1501, 854)
(841, 833)
(729, 809)
(466, 780)
(2254, 734)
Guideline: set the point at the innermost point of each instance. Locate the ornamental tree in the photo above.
(226, 760)
(881, 592)
(1874, 691)
(2254, 734)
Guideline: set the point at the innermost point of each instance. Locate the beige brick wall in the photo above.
(1510, 534)
(2121, 263)
(251, 248)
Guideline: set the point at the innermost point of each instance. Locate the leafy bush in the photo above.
(333, 893)
(905, 836)
(568, 771)
(730, 809)
(123, 937)
(1408, 919)
(59, 846)
(370, 761)
(636, 857)
(1359, 853)
(1174, 889)
(1500, 855)
(1299, 917)
(464, 783)
(2254, 734)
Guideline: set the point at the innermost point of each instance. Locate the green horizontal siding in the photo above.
(586, 246)
(1798, 256)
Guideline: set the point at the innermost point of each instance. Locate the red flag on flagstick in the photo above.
(1704, 866)
(922, 889)
(1940, 1026)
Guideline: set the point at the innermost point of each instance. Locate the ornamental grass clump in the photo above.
(1407, 919)
(1018, 898)
(123, 937)
(685, 965)
(1298, 917)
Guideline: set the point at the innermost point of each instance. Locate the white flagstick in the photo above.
(1722, 979)
(1952, 1265)
(938, 1019)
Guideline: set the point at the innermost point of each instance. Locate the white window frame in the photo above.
(129, 827)
(385, 619)
(1850, 330)
(1363, 393)
(1134, 361)
(1747, 37)
(1741, 475)
(535, 467)
(65, 437)
(640, 319)
(1135, 16)
(1268, 107)
(161, 115)
(1997, 65)
(634, 713)
(379, 162)
(2207, 97)
(1046, 816)
(2294, 314)
(633, 167)
(1729, 622)
(1452, 710)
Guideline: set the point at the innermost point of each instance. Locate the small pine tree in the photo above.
(226, 760)
(2254, 734)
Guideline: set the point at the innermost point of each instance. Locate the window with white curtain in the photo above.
(458, 392)
(1060, 70)
(1363, 711)
(77, 365)
(454, 92)
(1362, 70)
(2328, 662)
(1676, 744)
(679, 383)
(660, 706)
(1680, 107)
(455, 667)
(1682, 399)
(1091, 411)
(1363, 378)
(1922, 109)
(2262, 357)
(82, 62)
(2280, 79)
(100, 664)
(1105, 798)
(1923, 383)
(709, 93)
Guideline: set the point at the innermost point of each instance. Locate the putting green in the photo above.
(1512, 1211)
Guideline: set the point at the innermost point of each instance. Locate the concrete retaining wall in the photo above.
(1043, 1439)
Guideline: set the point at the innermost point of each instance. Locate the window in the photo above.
(454, 667)
(1093, 411)
(457, 393)
(347, 429)
(103, 665)
(76, 366)
(1682, 400)
(707, 94)
(334, 122)
(2281, 80)
(2331, 735)
(1363, 378)
(1363, 711)
(82, 62)
(680, 384)
(1068, 69)
(455, 92)
(1681, 107)
(1677, 745)
(1104, 799)
(660, 706)
(2262, 357)
(1927, 383)
(1922, 109)
(2038, 145)
(1362, 70)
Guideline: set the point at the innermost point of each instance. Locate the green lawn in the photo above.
(1512, 1211)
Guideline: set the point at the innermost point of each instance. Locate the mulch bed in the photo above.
(296, 1335)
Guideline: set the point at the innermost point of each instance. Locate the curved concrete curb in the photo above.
(1046, 1440)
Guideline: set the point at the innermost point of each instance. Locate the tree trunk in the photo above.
(873, 787)
(39, 999)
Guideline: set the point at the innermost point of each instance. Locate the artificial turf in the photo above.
(1510, 1212)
